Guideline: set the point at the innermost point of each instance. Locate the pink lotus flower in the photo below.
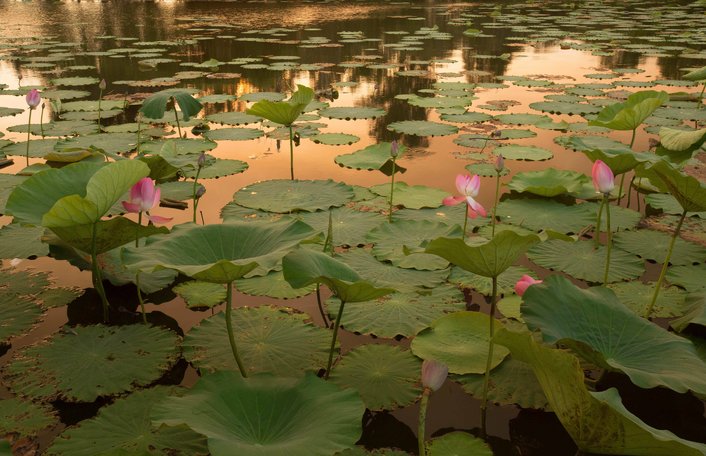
(143, 197)
(603, 179)
(433, 374)
(468, 188)
(524, 283)
(33, 98)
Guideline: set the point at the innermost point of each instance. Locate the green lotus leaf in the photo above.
(588, 143)
(219, 253)
(304, 267)
(38, 148)
(489, 259)
(154, 106)
(352, 113)
(273, 285)
(486, 170)
(92, 105)
(522, 119)
(679, 140)
(86, 362)
(630, 114)
(653, 245)
(19, 315)
(695, 315)
(595, 324)
(398, 314)
(233, 134)
(457, 444)
(219, 167)
(181, 146)
(602, 424)
(75, 81)
(114, 270)
(621, 218)
(542, 214)
(294, 195)
(282, 112)
(21, 241)
(412, 196)
(667, 204)
(216, 97)
(562, 107)
(386, 377)
(620, 161)
(276, 340)
(258, 96)
(460, 340)
(4, 112)
(374, 157)
(670, 303)
(64, 94)
(25, 418)
(348, 226)
(393, 243)
(582, 261)
(689, 191)
(334, 139)
(516, 152)
(484, 285)
(201, 294)
(697, 75)
(422, 128)
(549, 182)
(440, 102)
(233, 118)
(90, 115)
(467, 117)
(691, 277)
(265, 415)
(124, 427)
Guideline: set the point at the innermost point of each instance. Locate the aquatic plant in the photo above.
(101, 87)
(33, 99)
(468, 187)
(604, 183)
(434, 375)
(154, 106)
(394, 152)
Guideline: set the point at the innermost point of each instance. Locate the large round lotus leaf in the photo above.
(559, 107)
(586, 143)
(522, 119)
(422, 128)
(688, 190)
(64, 94)
(75, 81)
(631, 113)
(232, 212)
(549, 182)
(484, 285)
(280, 341)
(294, 195)
(352, 113)
(4, 112)
(215, 98)
(511, 383)
(201, 294)
(386, 275)
(257, 96)
(273, 285)
(233, 118)
(335, 139)
(513, 133)
(219, 168)
(180, 146)
(38, 148)
(22, 241)
(110, 143)
(18, 316)
(541, 214)
(486, 170)
(460, 340)
(86, 362)
(457, 444)
(392, 239)
(233, 134)
(386, 377)
(516, 152)
(265, 415)
(582, 261)
(467, 117)
(25, 418)
(411, 196)
(671, 301)
(398, 314)
(218, 253)
(348, 226)
(450, 215)
(621, 218)
(691, 277)
(595, 324)
(475, 141)
(125, 427)
(440, 102)
(653, 245)
(92, 105)
(373, 157)
(90, 115)
(60, 128)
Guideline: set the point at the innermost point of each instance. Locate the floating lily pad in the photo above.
(486, 170)
(314, 417)
(691, 277)
(92, 105)
(233, 118)
(621, 218)
(457, 444)
(467, 117)
(516, 152)
(522, 119)
(218, 168)
(484, 285)
(75, 81)
(352, 113)
(349, 226)
(125, 426)
(109, 143)
(84, 363)
(386, 377)
(398, 314)
(373, 157)
(294, 195)
(19, 315)
(412, 196)
(549, 182)
(38, 148)
(335, 139)
(233, 134)
(25, 418)
(4, 112)
(559, 107)
(257, 96)
(671, 301)
(541, 214)
(653, 245)
(279, 341)
(273, 285)
(460, 340)
(422, 128)
(19, 241)
(181, 146)
(582, 261)
(201, 294)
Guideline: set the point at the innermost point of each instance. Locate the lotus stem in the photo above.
(193, 194)
(632, 139)
(392, 191)
(139, 129)
(663, 273)
(495, 202)
(176, 115)
(630, 191)
(608, 240)
(321, 307)
(291, 153)
(620, 189)
(29, 128)
(333, 340)
(97, 277)
(229, 327)
(465, 222)
(421, 432)
(489, 361)
(100, 97)
(41, 121)
(701, 96)
(597, 230)
(139, 298)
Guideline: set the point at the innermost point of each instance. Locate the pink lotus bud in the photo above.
(102, 85)
(499, 163)
(433, 374)
(394, 149)
(524, 283)
(603, 179)
(33, 98)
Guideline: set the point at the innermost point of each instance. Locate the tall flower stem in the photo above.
(701, 96)
(495, 202)
(465, 222)
(609, 239)
(193, 194)
(421, 428)
(392, 190)
(176, 115)
(97, 277)
(489, 361)
(291, 152)
(320, 304)
(100, 97)
(597, 230)
(41, 121)
(139, 130)
(333, 339)
(229, 327)
(139, 298)
(29, 127)
(663, 273)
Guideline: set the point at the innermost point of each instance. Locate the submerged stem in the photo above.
(489, 361)
(663, 273)
(333, 340)
(608, 240)
(421, 432)
(392, 192)
(229, 327)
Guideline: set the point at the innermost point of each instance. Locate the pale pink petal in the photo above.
(603, 179)
(453, 200)
(462, 182)
(524, 283)
(131, 207)
(476, 206)
(473, 186)
(157, 219)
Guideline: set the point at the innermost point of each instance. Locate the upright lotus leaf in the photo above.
(265, 415)
(489, 259)
(688, 191)
(103, 190)
(37, 195)
(697, 75)
(374, 157)
(597, 422)
(304, 267)
(154, 106)
(283, 112)
(620, 161)
(109, 234)
(630, 114)
(219, 253)
(600, 328)
(679, 140)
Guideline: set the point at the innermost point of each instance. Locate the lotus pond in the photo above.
(353, 228)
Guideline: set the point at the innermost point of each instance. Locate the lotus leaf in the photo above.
(422, 128)
(348, 226)
(38, 148)
(691, 277)
(201, 294)
(457, 444)
(233, 134)
(670, 303)
(373, 157)
(562, 107)
(688, 191)
(233, 118)
(516, 152)
(290, 196)
(412, 196)
(653, 245)
(335, 139)
(630, 114)
(154, 106)
(522, 119)
(352, 113)
(549, 182)
(283, 113)
(19, 241)
(25, 418)
(273, 285)
(483, 285)
(220, 167)
(679, 140)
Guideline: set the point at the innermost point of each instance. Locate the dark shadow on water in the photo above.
(382, 430)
